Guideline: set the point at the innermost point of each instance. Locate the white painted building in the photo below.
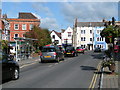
(67, 36)
(86, 36)
(56, 37)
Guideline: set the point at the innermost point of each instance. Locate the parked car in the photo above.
(10, 68)
(80, 50)
(70, 51)
(51, 53)
(97, 49)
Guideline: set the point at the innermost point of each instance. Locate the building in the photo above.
(88, 35)
(67, 36)
(56, 37)
(4, 27)
(24, 23)
(0, 25)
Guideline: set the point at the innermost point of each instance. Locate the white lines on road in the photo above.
(50, 65)
(37, 60)
(56, 63)
(28, 64)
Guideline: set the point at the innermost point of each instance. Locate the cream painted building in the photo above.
(85, 37)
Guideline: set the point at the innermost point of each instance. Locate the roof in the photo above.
(26, 16)
(88, 24)
(58, 34)
(63, 30)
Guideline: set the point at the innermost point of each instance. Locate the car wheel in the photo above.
(15, 74)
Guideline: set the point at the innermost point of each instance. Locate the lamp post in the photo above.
(16, 51)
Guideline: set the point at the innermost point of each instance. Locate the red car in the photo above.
(116, 48)
(80, 50)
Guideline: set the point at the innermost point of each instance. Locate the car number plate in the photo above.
(47, 56)
(68, 53)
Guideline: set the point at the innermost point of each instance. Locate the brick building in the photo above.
(24, 23)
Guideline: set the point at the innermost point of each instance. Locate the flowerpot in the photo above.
(112, 67)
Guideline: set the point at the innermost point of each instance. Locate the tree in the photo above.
(43, 36)
(5, 46)
(110, 31)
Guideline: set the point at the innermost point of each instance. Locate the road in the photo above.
(73, 72)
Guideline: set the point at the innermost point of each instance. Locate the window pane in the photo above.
(23, 26)
(31, 26)
(16, 26)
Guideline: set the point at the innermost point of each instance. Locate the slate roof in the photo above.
(63, 30)
(23, 15)
(88, 24)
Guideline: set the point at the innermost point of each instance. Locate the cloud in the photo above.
(60, 0)
(50, 23)
(85, 11)
(41, 8)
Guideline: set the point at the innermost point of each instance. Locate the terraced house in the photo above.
(88, 35)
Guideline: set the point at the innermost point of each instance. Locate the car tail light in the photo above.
(72, 51)
(64, 51)
(40, 54)
(55, 53)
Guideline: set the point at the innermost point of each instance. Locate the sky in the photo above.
(60, 15)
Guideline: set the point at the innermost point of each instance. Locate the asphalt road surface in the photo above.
(73, 72)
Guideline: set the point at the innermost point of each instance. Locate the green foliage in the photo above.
(43, 36)
(110, 33)
(4, 44)
(108, 63)
(37, 51)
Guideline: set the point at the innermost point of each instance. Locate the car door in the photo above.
(7, 67)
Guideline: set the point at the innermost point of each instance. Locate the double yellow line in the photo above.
(94, 79)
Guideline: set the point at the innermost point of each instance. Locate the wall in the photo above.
(56, 38)
(65, 36)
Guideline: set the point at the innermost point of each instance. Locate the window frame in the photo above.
(15, 27)
(24, 27)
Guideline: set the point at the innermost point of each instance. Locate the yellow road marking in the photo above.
(95, 78)
(92, 84)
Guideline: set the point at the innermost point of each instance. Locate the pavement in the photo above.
(111, 81)
(29, 61)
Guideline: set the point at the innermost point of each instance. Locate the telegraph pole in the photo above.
(74, 33)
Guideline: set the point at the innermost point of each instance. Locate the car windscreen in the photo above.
(48, 50)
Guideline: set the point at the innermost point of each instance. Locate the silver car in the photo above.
(51, 53)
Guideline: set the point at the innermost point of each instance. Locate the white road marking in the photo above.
(50, 65)
(28, 64)
(101, 80)
(56, 63)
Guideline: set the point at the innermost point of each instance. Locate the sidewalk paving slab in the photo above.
(29, 61)
(110, 80)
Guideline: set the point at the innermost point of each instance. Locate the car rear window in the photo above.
(69, 48)
(48, 50)
(79, 48)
